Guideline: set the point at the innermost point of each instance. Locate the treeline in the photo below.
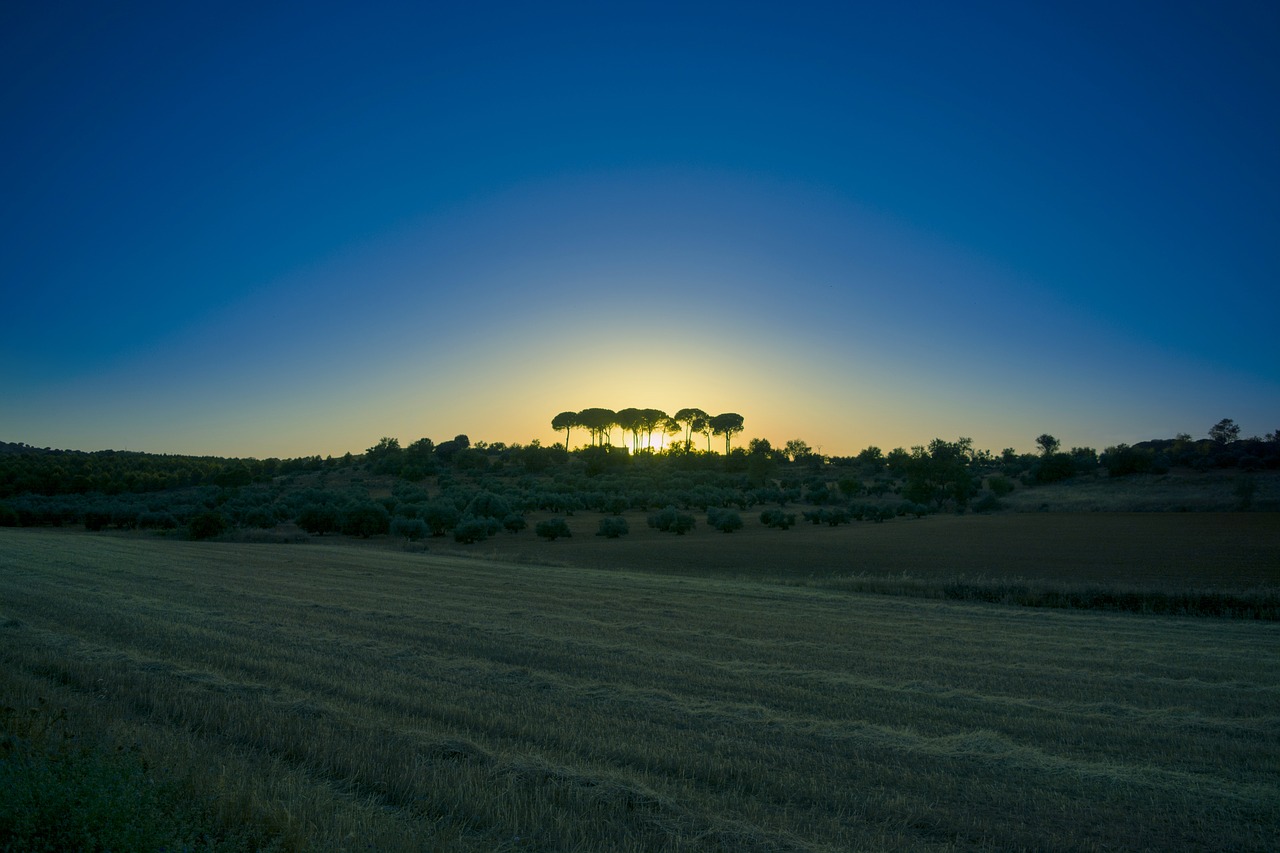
(29, 470)
(940, 474)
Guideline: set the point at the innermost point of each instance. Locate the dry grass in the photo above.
(344, 698)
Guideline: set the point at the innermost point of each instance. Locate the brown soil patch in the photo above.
(1180, 550)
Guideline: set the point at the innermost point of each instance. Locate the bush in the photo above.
(8, 516)
(613, 527)
(472, 529)
(411, 529)
(670, 520)
(836, 516)
(96, 519)
(777, 518)
(319, 519)
(553, 528)
(206, 525)
(441, 516)
(488, 505)
(365, 520)
(988, 503)
(615, 504)
(918, 510)
(1000, 485)
(724, 520)
(1051, 469)
(157, 521)
(514, 522)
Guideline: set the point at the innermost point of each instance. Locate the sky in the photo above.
(291, 229)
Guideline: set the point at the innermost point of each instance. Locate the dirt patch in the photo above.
(1182, 550)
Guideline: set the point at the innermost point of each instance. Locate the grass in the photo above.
(343, 698)
(1261, 602)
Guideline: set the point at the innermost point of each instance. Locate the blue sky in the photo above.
(279, 230)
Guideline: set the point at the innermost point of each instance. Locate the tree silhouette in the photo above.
(650, 420)
(1048, 444)
(702, 426)
(1225, 431)
(599, 423)
(565, 421)
(630, 421)
(726, 424)
(687, 418)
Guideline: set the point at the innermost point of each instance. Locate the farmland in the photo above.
(349, 695)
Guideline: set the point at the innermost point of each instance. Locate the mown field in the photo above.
(335, 696)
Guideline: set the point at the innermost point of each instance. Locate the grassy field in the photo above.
(335, 696)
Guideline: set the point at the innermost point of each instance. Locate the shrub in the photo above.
(8, 516)
(514, 522)
(613, 527)
(1000, 485)
(260, 517)
(836, 516)
(488, 505)
(918, 510)
(1051, 469)
(724, 520)
(818, 493)
(615, 504)
(552, 529)
(987, 503)
(850, 486)
(319, 519)
(777, 518)
(365, 520)
(473, 529)
(156, 521)
(671, 520)
(96, 519)
(441, 516)
(208, 524)
(410, 528)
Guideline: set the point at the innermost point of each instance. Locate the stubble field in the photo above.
(340, 697)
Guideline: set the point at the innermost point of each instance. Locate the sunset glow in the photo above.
(301, 232)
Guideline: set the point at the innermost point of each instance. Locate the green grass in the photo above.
(340, 698)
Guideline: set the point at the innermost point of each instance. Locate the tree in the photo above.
(727, 424)
(1048, 444)
(1225, 431)
(650, 420)
(319, 519)
(553, 529)
(612, 527)
(565, 421)
(688, 418)
(630, 421)
(796, 449)
(702, 426)
(940, 473)
(598, 423)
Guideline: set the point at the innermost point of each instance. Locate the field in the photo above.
(525, 695)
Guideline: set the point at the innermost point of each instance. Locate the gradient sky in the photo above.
(283, 230)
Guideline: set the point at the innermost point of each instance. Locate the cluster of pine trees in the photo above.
(600, 423)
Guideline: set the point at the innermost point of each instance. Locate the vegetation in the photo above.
(333, 698)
